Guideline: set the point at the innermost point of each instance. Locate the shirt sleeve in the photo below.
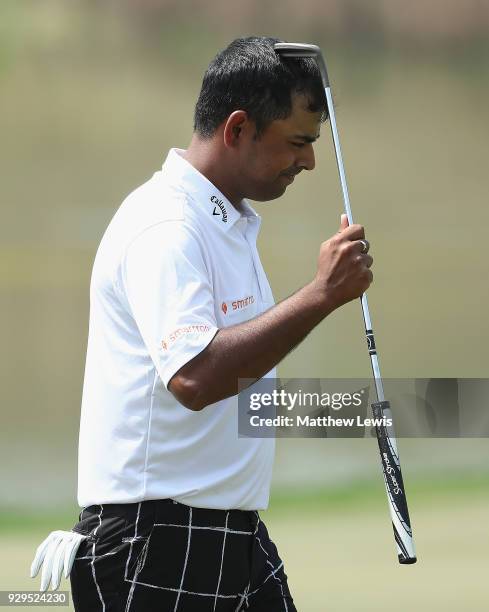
(169, 293)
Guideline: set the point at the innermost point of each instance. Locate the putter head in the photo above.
(297, 50)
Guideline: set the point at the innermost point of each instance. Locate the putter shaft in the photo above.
(386, 438)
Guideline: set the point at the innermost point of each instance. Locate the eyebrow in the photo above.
(305, 137)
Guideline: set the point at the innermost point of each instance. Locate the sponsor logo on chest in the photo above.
(231, 305)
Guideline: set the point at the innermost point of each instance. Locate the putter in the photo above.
(389, 455)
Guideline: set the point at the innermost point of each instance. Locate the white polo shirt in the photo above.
(176, 263)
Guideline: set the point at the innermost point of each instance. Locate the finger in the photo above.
(343, 222)
(353, 232)
(48, 563)
(362, 245)
(40, 552)
(58, 558)
(71, 551)
(369, 260)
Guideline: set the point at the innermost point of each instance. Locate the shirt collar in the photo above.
(179, 172)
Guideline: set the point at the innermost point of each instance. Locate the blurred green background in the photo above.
(92, 96)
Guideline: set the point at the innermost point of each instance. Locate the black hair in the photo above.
(249, 75)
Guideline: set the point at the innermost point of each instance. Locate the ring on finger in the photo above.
(365, 245)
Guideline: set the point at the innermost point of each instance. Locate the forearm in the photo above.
(250, 349)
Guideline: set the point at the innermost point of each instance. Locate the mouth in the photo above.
(290, 176)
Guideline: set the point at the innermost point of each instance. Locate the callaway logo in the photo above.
(238, 304)
(219, 203)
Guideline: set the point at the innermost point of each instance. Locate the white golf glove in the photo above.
(57, 551)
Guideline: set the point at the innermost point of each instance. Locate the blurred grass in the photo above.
(357, 496)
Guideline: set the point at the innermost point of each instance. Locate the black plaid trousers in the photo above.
(160, 555)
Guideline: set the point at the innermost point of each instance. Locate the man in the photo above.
(180, 310)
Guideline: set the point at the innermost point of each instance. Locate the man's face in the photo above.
(270, 162)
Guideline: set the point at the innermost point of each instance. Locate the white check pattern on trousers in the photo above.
(244, 597)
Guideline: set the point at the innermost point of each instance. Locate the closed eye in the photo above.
(298, 144)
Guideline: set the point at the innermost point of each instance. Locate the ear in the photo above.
(235, 127)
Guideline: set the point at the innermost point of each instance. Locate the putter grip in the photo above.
(394, 483)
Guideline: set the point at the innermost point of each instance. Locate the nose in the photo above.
(307, 159)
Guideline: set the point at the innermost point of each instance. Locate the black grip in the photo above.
(393, 477)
